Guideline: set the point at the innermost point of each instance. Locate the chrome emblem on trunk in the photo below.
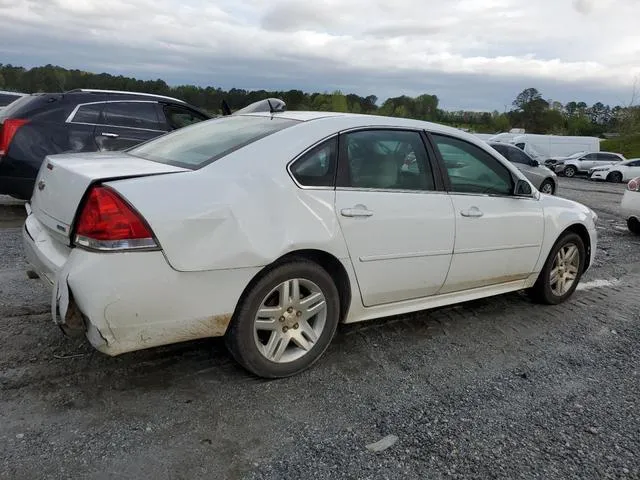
(40, 185)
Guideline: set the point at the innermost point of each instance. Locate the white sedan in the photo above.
(619, 172)
(631, 205)
(270, 229)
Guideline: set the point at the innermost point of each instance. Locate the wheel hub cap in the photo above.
(564, 271)
(290, 320)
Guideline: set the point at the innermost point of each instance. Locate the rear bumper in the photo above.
(131, 300)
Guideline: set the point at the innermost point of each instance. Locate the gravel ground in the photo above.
(497, 388)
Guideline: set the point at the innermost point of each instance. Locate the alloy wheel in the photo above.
(290, 320)
(564, 271)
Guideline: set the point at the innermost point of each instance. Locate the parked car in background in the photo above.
(616, 173)
(8, 97)
(38, 125)
(542, 178)
(630, 205)
(272, 228)
(581, 163)
(545, 147)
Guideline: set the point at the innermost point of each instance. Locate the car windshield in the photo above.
(202, 143)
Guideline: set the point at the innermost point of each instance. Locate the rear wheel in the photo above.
(562, 270)
(615, 177)
(570, 171)
(634, 225)
(286, 321)
(547, 187)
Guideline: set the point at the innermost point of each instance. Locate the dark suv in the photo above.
(43, 124)
(8, 97)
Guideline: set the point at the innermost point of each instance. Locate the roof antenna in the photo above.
(271, 109)
(226, 110)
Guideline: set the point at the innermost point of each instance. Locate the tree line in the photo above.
(529, 109)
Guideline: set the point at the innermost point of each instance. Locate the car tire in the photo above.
(270, 345)
(633, 224)
(570, 171)
(614, 177)
(543, 291)
(548, 187)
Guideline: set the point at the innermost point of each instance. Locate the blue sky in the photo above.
(473, 54)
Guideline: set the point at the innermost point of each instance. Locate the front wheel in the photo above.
(286, 321)
(615, 177)
(634, 225)
(562, 270)
(570, 171)
(547, 187)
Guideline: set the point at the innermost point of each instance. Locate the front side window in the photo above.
(202, 143)
(518, 156)
(590, 156)
(387, 159)
(179, 117)
(471, 169)
(131, 115)
(88, 113)
(317, 168)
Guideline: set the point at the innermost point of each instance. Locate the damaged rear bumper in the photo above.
(129, 301)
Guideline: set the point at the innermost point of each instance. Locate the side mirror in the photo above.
(522, 189)
(534, 163)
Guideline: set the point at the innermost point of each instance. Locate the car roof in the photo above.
(355, 120)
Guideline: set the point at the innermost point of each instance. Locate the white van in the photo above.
(543, 147)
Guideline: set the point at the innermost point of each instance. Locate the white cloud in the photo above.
(586, 44)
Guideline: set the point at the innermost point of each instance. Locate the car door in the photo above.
(124, 124)
(587, 161)
(498, 235)
(398, 224)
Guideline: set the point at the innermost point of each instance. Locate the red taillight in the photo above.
(107, 222)
(634, 185)
(7, 131)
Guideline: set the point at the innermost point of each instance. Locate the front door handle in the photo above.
(110, 135)
(357, 211)
(473, 212)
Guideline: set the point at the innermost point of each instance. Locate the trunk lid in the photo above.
(64, 179)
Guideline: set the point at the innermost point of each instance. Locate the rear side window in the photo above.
(200, 144)
(131, 115)
(16, 108)
(88, 113)
(317, 168)
(7, 98)
(179, 117)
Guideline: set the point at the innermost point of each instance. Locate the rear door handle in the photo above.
(473, 212)
(357, 211)
(110, 135)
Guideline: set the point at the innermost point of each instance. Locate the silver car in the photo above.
(545, 180)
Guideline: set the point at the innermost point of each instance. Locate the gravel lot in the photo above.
(498, 388)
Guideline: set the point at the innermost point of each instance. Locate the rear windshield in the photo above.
(202, 143)
(14, 106)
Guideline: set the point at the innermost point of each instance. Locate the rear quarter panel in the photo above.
(243, 210)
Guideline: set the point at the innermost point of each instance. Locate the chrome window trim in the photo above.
(73, 113)
(122, 92)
